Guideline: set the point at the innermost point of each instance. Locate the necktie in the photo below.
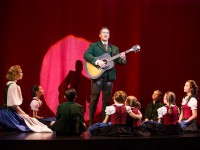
(105, 45)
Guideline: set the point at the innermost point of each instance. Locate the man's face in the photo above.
(104, 35)
(156, 96)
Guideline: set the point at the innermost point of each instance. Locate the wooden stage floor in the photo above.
(48, 141)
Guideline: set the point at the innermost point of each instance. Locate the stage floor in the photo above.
(87, 141)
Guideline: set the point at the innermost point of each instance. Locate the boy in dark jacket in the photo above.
(69, 116)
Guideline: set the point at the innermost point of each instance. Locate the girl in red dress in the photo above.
(188, 116)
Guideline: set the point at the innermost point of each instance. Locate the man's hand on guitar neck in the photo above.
(122, 55)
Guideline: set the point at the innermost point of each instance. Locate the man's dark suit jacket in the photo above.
(97, 49)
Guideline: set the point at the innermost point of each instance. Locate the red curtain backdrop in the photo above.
(48, 39)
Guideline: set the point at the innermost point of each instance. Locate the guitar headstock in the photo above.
(135, 48)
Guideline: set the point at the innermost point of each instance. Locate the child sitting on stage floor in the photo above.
(36, 104)
(188, 116)
(115, 120)
(12, 117)
(69, 116)
(135, 123)
(167, 117)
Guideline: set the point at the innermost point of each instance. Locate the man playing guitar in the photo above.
(104, 81)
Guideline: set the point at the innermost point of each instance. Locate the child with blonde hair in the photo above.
(168, 116)
(12, 116)
(116, 116)
(135, 105)
(136, 125)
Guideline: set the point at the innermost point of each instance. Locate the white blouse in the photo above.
(35, 104)
(162, 111)
(192, 103)
(14, 95)
(111, 109)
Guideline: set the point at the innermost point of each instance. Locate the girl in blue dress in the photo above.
(12, 117)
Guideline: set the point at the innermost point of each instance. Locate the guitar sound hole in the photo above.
(106, 66)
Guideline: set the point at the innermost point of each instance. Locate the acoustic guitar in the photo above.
(95, 72)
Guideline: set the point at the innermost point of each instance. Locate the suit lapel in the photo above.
(100, 44)
(109, 49)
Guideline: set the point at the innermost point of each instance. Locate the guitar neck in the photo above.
(118, 55)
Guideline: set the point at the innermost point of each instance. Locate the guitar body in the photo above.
(95, 72)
